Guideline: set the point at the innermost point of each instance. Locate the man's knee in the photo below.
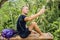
(33, 23)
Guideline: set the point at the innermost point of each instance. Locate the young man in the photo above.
(23, 31)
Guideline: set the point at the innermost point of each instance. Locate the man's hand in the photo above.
(42, 10)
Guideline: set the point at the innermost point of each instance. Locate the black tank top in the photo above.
(21, 27)
(21, 24)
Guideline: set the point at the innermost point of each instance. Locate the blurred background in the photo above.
(48, 22)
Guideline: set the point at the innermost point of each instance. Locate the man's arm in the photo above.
(36, 15)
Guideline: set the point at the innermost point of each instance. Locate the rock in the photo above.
(33, 36)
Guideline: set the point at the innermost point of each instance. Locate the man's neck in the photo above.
(23, 14)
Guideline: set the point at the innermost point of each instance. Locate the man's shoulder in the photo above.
(22, 16)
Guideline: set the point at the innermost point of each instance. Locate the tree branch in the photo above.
(2, 2)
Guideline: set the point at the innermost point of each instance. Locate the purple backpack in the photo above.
(8, 33)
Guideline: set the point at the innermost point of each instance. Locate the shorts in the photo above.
(25, 33)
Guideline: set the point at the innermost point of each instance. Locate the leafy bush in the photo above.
(48, 22)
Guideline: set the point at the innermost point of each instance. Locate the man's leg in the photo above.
(34, 26)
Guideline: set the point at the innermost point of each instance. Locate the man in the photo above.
(24, 31)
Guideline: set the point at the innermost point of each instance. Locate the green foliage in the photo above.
(48, 22)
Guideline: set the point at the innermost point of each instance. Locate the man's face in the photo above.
(25, 10)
